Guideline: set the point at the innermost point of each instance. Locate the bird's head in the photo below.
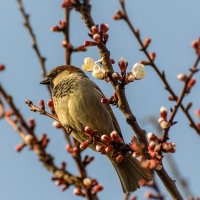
(59, 73)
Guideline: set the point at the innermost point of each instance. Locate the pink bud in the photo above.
(67, 3)
(163, 112)
(94, 29)
(2, 67)
(50, 104)
(152, 55)
(42, 105)
(118, 15)
(151, 145)
(77, 191)
(197, 113)
(153, 137)
(104, 28)
(106, 139)
(196, 44)
(153, 163)
(97, 189)
(19, 147)
(119, 158)
(122, 64)
(147, 41)
(32, 122)
(89, 43)
(108, 148)
(68, 148)
(56, 29)
(114, 135)
(97, 38)
(191, 83)
(104, 100)
(84, 145)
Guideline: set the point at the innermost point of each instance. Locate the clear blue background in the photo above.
(172, 25)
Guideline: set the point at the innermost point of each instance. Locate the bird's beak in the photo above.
(46, 81)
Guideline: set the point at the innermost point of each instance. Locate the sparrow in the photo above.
(77, 103)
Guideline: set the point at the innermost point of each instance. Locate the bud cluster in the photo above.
(137, 72)
(164, 124)
(104, 144)
(98, 34)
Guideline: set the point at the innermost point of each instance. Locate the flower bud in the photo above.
(56, 29)
(147, 41)
(84, 145)
(50, 104)
(151, 145)
(122, 64)
(98, 72)
(104, 100)
(56, 124)
(106, 139)
(77, 191)
(97, 38)
(94, 29)
(42, 105)
(197, 113)
(164, 125)
(163, 112)
(191, 83)
(118, 15)
(152, 136)
(182, 77)
(97, 189)
(99, 148)
(138, 71)
(119, 158)
(87, 182)
(28, 139)
(114, 135)
(152, 55)
(108, 148)
(67, 3)
(19, 147)
(89, 64)
(104, 28)
(89, 44)
(2, 67)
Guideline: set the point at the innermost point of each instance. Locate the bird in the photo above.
(77, 103)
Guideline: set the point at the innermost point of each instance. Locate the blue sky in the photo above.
(172, 25)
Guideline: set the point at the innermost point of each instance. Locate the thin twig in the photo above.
(35, 45)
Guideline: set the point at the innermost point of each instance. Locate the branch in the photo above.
(84, 9)
(155, 67)
(35, 45)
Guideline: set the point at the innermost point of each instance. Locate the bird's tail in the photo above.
(130, 172)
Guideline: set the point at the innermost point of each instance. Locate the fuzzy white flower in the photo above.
(89, 64)
(138, 71)
(98, 72)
